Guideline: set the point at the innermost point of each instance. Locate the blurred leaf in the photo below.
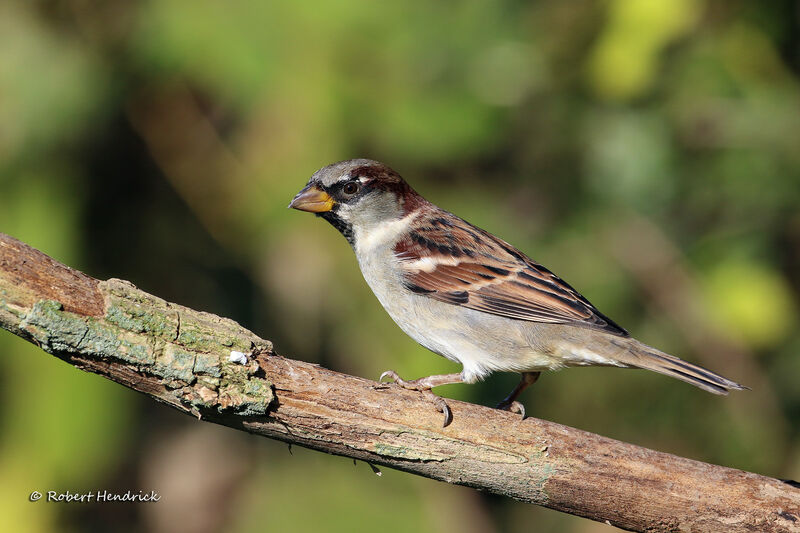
(752, 302)
(50, 86)
(629, 158)
(625, 59)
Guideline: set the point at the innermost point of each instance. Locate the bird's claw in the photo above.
(390, 374)
(512, 407)
(442, 406)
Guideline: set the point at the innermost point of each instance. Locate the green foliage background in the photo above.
(647, 151)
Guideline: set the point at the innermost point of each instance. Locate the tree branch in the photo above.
(181, 357)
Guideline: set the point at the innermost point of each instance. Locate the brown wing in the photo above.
(450, 260)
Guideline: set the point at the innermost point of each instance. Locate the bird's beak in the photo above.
(313, 200)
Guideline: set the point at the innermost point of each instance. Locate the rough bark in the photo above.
(181, 357)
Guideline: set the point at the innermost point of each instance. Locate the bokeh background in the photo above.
(647, 151)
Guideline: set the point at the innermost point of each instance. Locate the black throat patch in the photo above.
(336, 221)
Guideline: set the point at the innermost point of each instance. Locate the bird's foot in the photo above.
(410, 385)
(512, 407)
(510, 403)
(424, 386)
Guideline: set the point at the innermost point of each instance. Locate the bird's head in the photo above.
(357, 195)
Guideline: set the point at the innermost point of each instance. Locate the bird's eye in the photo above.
(351, 187)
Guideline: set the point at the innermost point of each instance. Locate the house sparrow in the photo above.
(469, 296)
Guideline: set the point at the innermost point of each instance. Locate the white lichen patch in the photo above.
(238, 357)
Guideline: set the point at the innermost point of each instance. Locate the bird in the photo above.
(468, 295)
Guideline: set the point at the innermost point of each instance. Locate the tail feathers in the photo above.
(642, 356)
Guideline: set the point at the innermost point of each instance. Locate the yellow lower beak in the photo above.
(313, 200)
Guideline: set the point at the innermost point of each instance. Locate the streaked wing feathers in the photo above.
(450, 260)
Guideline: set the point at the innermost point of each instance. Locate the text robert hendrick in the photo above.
(100, 496)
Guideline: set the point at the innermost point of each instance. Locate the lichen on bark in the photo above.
(186, 350)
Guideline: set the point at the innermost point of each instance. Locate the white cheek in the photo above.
(384, 234)
(345, 211)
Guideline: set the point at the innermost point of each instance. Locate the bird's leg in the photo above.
(424, 385)
(511, 403)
